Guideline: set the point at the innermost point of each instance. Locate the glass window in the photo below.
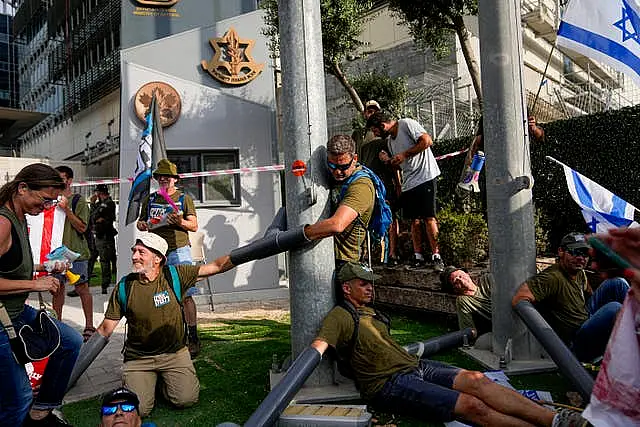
(223, 190)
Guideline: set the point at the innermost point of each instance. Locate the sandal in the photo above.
(87, 333)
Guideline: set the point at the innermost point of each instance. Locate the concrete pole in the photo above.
(509, 206)
(305, 138)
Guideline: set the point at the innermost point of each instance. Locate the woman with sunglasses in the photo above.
(34, 189)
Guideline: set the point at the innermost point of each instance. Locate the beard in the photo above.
(142, 268)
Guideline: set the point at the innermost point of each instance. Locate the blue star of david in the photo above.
(628, 20)
(593, 223)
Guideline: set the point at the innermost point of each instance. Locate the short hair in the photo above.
(65, 170)
(445, 276)
(377, 118)
(341, 144)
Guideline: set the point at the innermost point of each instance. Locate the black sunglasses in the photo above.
(578, 252)
(343, 168)
(112, 409)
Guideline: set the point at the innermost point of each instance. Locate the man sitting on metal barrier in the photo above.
(583, 319)
(395, 381)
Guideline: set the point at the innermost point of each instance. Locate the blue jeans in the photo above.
(179, 256)
(425, 392)
(591, 339)
(15, 394)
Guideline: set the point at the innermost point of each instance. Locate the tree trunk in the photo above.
(355, 98)
(469, 57)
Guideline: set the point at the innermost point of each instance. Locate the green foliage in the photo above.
(431, 23)
(602, 147)
(342, 23)
(390, 92)
(463, 237)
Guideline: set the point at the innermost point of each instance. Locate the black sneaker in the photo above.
(50, 420)
(392, 262)
(72, 293)
(438, 264)
(416, 263)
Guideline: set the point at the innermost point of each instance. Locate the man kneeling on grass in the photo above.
(395, 381)
(150, 299)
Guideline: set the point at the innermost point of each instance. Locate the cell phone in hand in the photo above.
(606, 257)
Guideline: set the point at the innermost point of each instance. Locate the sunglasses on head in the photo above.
(112, 409)
(343, 168)
(578, 252)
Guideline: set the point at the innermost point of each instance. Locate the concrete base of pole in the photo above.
(344, 391)
(492, 362)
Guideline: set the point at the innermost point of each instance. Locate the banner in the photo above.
(45, 232)
(151, 149)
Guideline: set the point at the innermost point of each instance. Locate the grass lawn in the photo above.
(233, 371)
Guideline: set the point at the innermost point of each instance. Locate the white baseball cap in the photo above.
(372, 103)
(153, 241)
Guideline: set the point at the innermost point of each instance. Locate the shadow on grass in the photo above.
(237, 354)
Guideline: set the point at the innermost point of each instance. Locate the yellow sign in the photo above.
(240, 68)
(163, 3)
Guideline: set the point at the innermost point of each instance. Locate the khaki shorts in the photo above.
(179, 382)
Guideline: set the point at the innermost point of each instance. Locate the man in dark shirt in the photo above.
(103, 212)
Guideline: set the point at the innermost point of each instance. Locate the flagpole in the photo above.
(544, 73)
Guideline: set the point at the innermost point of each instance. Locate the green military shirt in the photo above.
(478, 303)
(560, 300)
(155, 206)
(359, 196)
(154, 317)
(71, 238)
(376, 356)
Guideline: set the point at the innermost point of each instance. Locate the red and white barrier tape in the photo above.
(455, 153)
(271, 168)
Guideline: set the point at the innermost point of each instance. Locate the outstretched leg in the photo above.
(502, 399)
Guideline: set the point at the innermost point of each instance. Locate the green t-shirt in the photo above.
(155, 206)
(376, 356)
(560, 300)
(360, 196)
(154, 317)
(71, 238)
(479, 303)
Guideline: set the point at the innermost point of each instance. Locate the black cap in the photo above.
(574, 241)
(121, 394)
(102, 188)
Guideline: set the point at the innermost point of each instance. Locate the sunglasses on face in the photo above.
(584, 252)
(112, 409)
(343, 168)
(47, 202)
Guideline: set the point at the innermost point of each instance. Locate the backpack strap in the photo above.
(349, 308)
(123, 294)
(74, 202)
(174, 280)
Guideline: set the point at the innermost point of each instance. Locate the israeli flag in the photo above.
(601, 208)
(605, 30)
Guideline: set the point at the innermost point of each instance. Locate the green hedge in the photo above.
(603, 147)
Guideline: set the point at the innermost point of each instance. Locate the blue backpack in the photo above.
(381, 216)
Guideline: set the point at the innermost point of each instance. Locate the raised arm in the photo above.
(523, 293)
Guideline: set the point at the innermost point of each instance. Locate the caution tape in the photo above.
(455, 153)
(272, 168)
